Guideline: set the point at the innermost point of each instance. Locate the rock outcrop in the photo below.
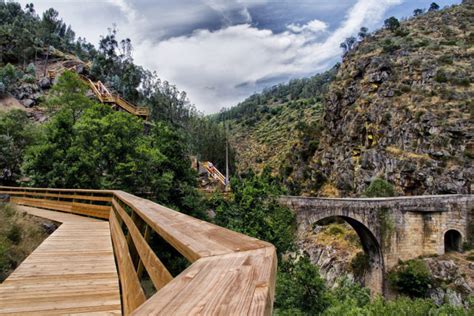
(400, 109)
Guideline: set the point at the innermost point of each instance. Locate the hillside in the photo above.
(265, 127)
(399, 109)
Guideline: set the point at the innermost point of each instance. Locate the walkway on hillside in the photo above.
(72, 272)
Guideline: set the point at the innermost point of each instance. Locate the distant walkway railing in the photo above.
(105, 96)
(230, 274)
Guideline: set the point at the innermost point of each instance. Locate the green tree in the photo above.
(8, 78)
(69, 94)
(255, 211)
(17, 133)
(392, 23)
(379, 188)
(417, 12)
(412, 278)
(433, 7)
(300, 289)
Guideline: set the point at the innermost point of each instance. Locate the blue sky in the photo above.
(221, 51)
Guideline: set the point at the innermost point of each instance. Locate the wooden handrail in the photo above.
(105, 96)
(230, 274)
(216, 174)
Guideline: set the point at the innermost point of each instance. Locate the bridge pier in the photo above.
(394, 229)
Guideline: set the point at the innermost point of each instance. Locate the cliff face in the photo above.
(401, 109)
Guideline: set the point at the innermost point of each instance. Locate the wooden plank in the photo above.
(132, 292)
(205, 240)
(73, 271)
(99, 211)
(239, 283)
(158, 273)
(62, 195)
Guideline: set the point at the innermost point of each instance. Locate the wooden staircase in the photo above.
(105, 96)
(214, 173)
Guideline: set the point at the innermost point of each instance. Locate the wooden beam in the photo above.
(158, 273)
(132, 291)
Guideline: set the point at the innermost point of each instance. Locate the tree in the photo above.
(417, 12)
(17, 133)
(69, 93)
(8, 78)
(255, 211)
(412, 278)
(379, 188)
(363, 33)
(392, 23)
(433, 7)
(348, 44)
(300, 289)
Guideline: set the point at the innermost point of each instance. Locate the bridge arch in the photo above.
(452, 240)
(374, 274)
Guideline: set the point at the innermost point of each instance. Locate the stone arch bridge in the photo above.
(393, 229)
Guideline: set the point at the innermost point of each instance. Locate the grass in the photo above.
(20, 234)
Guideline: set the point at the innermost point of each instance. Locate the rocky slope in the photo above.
(401, 109)
(266, 127)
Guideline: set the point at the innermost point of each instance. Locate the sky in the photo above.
(222, 51)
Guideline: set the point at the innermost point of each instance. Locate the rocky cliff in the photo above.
(401, 109)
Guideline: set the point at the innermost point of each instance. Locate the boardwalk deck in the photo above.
(72, 272)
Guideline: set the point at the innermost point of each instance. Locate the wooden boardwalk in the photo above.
(72, 272)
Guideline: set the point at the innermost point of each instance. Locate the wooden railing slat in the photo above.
(132, 292)
(158, 273)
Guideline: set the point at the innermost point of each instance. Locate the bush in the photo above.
(412, 278)
(441, 76)
(360, 263)
(31, 69)
(29, 78)
(300, 290)
(335, 230)
(8, 77)
(379, 188)
(389, 46)
(14, 234)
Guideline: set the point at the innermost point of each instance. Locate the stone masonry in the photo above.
(393, 229)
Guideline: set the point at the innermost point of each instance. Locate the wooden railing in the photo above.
(105, 96)
(216, 174)
(230, 274)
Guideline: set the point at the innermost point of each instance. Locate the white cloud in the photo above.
(313, 26)
(220, 68)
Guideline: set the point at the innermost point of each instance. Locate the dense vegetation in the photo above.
(30, 42)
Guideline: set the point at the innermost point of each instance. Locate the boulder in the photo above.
(44, 83)
(4, 198)
(28, 103)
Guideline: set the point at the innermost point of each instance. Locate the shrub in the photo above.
(29, 78)
(335, 230)
(14, 234)
(412, 278)
(360, 263)
(441, 76)
(300, 290)
(389, 46)
(379, 188)
(8, 77)
(31, 69)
